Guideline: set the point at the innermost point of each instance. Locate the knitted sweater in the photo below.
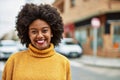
(34, 64)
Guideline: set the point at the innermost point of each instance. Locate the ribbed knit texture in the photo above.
(34, 64)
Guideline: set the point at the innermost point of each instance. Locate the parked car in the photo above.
(20, 46)
(69, 48)
(7, 47)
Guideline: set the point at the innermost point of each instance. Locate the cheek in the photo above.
(31, 37)
(51, 35)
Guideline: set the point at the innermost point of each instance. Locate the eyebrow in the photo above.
(42, 28)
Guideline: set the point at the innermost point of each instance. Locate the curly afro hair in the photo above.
(31, 12)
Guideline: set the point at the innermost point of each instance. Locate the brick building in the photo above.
(77, 16)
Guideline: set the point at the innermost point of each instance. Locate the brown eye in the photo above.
(45, 31)
(33, 32)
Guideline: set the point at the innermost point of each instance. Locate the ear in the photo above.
(52, 35)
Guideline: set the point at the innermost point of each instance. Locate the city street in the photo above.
(94, 26)
(85, 72)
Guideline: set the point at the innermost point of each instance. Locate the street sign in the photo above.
(95, 22)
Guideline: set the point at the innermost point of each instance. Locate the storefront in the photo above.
(108, 35)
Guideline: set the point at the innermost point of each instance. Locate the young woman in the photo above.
(40, 28)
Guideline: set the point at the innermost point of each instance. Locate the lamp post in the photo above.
(95, 22)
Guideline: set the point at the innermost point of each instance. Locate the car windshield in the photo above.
(69, 43)
(7, 43)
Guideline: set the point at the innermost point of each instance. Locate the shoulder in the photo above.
(16, 55)
(62, 58)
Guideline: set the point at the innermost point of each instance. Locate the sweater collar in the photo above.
(41, 53)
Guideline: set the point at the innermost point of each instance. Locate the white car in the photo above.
(20, 46)
(69, 48)
(7, 47)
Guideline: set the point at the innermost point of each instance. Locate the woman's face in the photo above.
(40, 34)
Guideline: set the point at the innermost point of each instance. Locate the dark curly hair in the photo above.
(46, 12)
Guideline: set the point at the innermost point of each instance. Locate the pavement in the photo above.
(100, 61)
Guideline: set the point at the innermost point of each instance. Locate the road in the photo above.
(85, 72)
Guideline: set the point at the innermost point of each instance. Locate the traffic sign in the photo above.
(95, 22)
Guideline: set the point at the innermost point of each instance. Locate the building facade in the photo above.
(77, 16)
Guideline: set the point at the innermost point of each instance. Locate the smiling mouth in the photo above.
(40, 41)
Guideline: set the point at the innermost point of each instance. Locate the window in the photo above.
(107, 28)
(116, 34)
(116, 37)
(72, 3)
(81, 35)
(61, 7)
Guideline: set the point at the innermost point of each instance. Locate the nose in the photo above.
(39, 35)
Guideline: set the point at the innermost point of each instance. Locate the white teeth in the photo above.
(42, 41)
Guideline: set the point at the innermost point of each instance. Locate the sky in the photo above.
(9, 10)
(42, 1)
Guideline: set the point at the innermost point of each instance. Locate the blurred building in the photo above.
(77, 16)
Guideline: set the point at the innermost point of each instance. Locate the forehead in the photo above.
(39, 24)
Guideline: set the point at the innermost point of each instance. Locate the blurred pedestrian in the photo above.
(40, 28)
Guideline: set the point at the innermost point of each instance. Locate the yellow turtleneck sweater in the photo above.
(34, 64)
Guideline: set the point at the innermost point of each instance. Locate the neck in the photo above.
(41, 53)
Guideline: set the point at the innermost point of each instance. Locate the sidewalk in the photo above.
(100, 61)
